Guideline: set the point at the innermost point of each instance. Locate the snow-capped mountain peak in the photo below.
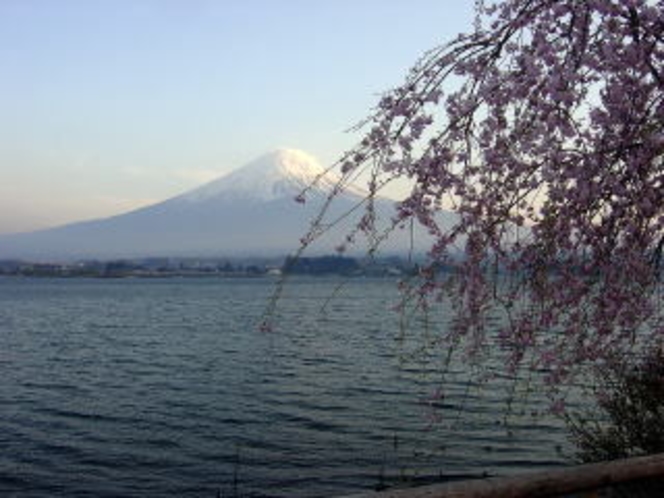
(250, 211)
(279, 174)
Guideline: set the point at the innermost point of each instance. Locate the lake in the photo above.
(166, 387)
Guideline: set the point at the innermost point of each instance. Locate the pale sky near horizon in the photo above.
(108, 105)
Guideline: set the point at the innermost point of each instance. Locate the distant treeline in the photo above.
(148, 267)
(222, 267)
(324, 265)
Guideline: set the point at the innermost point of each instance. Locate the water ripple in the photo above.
(153, 388)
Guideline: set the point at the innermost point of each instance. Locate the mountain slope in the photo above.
(250, 211)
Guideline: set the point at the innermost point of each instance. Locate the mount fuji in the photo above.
(249, 212)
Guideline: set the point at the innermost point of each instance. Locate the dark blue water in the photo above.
(140, 388)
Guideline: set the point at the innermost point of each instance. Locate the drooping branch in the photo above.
(544, 132)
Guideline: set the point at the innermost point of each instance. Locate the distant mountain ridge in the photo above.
(250, 211)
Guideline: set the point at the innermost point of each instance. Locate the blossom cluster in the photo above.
(543, 131)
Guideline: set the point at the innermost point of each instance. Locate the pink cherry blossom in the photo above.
(542, 130)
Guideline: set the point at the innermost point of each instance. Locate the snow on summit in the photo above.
(279, 174)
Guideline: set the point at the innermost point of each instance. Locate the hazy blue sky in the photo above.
(107, 105)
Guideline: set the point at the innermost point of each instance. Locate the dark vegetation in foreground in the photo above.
(628, 420)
